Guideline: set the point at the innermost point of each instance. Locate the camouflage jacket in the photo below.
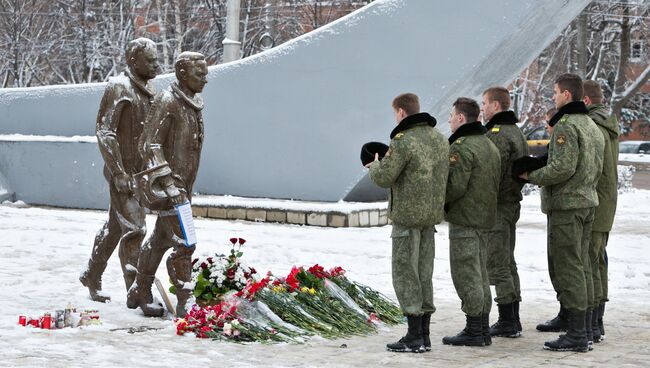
(575, 161)
(607, 187)
(474, 174)
(415, 170)
(511, 143)
(120, 121)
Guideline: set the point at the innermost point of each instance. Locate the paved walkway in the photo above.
(626, 344)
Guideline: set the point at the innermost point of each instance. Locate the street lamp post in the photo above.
(231, 44)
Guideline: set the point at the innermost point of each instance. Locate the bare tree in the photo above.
(80, 41)
(596, 46)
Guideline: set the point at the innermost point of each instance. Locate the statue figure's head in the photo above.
(191, 71)
(142, 58)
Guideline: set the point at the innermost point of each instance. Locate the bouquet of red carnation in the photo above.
(237, 319)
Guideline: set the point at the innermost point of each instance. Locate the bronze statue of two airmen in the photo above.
(151, 145)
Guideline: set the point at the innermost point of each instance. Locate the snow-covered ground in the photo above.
(42, 251)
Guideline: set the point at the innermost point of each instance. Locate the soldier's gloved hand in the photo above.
(122, 183)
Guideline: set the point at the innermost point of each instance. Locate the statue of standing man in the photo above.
(120, 121)
(171, 149)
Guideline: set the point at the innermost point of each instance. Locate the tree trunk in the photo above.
(631, 90)
(619, 82)
(582, 45)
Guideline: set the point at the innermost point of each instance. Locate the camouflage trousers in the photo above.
(598, 257)
(569, 235)
(501, 264)
(468, 261)
(412, 268)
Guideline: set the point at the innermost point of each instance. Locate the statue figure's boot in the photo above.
(91, 278)
(105, 242)
(139, 295)
(129, 253)
(179, 267)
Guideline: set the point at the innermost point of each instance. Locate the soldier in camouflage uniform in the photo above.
(575, 162)
(503, 131)
(415, 169)
(607, 190)
(471, 209)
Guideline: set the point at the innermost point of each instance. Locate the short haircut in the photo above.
(136, 46)
(572, 83)
(593, 91)
(499, 94)
(467, 107)
(409, 102)
(185, 59)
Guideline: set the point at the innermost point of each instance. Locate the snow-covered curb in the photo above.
(285, 204)
(47, 138)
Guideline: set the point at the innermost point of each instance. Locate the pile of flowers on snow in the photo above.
(234, 302)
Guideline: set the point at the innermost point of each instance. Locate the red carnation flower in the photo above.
(336, 271)
(210, 260)
(291, 280)
(204, 265)
(242, 241)
(233, 241)
(181, 327)
(230, 273)
(194, 261)
(253, 271)
(318, 271)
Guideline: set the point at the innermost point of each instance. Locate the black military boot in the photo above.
(506, 325)
(485, 329)
(576, 337)
(589, 332)
(595, 328)
(471, 335)
(601, 312)
(558, 324)
(426, 322)
(516, 308)
(412, 342)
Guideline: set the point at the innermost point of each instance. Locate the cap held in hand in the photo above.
(527, 164)
(369, 150)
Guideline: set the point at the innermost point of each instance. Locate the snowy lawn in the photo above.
(42, 251)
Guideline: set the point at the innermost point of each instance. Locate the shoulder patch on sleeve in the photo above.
(561, 139)
(454, 157)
